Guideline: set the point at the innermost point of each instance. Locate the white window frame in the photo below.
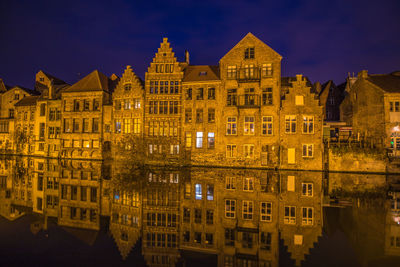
(249, 125)
(267, 125)
(231, 126)
(247, 209)
(289, 219)
(230, 208)
(308, 122)
(266, 211)
(309, 189)
(306, 152)
(307, 220)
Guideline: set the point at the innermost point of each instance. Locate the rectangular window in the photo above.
(188, 139)
(118, 126)
(266, 211)
(42, 130)
(211, 115)
(199, 115)
(117, 104)
(308, 151)
(211, 93)
(230, 208)
(230, 238)
(231, 151)
(127, 104)
(188, 94)
(210, 192)
(290, 124)
(85, 125)
(249, 53)
(186, 215)
(209, 216)
(267, 125)
(199, 95)
(188, 115)
(197, 215)
(199, 139)
(290, 215)
(307, 218)
(265, 241)
(308, 124)
(76, 105)
(96, 104)
(42, 109)
(299, 100)
(75, 125)
(266, 70)
(248, 125)
(198, 191)
(231, 72)
(95, 125)
(307, 189)
(248, 184)
(137, 125)
(230, 183)
(127, 126)
(247, 210)
(211, 140)
(231, 126)
(231, 99)
(93, 194)
(291, 183)
(267, 96)
(248, 151)
(86, 105)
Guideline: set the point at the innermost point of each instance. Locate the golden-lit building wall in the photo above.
(301, 120)
(53, 128)
(40, 129)
(250, 74)
(25, 128)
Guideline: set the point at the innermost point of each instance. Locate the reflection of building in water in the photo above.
(80, 186)
(300, 212)
(392, 226)
(160, 217)
(126, 219)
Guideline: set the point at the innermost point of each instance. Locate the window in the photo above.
(247, 210)
(95, 125)
(394, 106)
(199, 115)
(267, 96)
(266, 69)
(249, 53)
(266, 211)
(75, 125)
(265, 241)
(266, 125)
(230, 208)
(42, 109)
(230, 237)
(186, 215)
(209, 239)
(199, 139)
(186, 236)
(188, 139)
(248, 125)
(188, 94)
(197, 215)
(173, 107)
(127, 104)
(231, 99)
(127, 86)
(248, 184)
(230, 183)
(247, 242)
(86, 105)
(137, 103)
(197, 237)
(209, 216)
(248, 151)
(198, 191)
(307, 216)
(211, 140)
(308, 124)
(231, 126)
(136, 126)
(41, 130)
(210, 192)
(85, 125)
(307, 189)
(231, 72)
(290, 124)
(211, 115)
(127, 126)
(291, 183)
(76, 105)
(299, 100)
(11, 113)
(290, 215)
(231, 151)
(308, 151)
(211, 93)
(188, 115)
(93, 194)
(118, 126)
(199, 95)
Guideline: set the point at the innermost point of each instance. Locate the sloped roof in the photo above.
(95, 81)
(28, 101)
(3, 87)
(389, 83)
(201, 73)
(29, 91)
(55, 79)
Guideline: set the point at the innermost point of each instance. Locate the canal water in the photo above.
(85, 213)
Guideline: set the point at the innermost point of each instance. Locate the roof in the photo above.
(27, 101)
(201, 73)
(29, 91)
(389, 83)
(95, 81)
(55, 79)
(3, 87)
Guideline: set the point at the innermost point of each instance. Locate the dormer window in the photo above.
(41, 79)
(202, 73)
(249, 53)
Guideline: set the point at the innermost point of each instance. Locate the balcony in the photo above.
(249, 101)
(249, 74)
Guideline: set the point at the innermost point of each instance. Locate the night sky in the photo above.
(321, 39)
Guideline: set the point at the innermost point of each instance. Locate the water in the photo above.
(93, 213)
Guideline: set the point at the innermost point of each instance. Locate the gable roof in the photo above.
(3, 87)
(55, 79)
(201, 73)
(252, 36)
(29, 91)
(390, 83)
(27, 101)
(95, 81)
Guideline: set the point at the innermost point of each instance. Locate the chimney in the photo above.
(51, 90)
(363, 74)
(187, 57)
(317, 86)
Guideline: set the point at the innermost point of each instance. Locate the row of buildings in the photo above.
(241, 112)
(239, 216)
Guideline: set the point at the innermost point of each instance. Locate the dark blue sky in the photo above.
(321, 39)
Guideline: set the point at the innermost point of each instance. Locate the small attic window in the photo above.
(128, 86)
(249, 53)
(164, 54)
(41, 79)
(202, 73)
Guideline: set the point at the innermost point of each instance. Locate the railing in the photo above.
(249, 101)
(249, 74)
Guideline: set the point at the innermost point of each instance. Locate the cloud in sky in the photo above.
(321, 39)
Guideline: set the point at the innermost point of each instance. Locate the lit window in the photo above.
(211, 140)
(248, 125)
(231, 126)
(199, 139)
(266, 211)
(231, 72)
(198, 191)
(188, 137)
(266, 69)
